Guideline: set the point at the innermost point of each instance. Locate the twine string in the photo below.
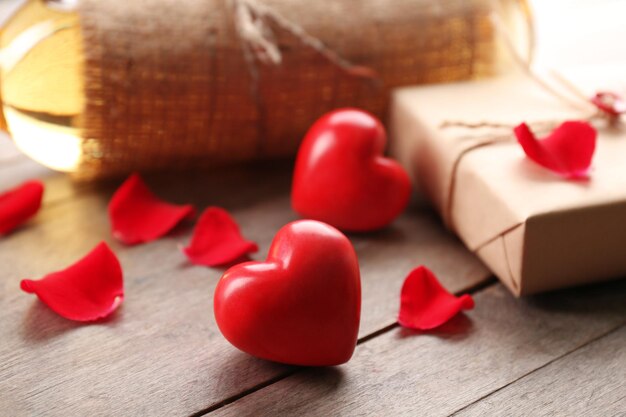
(526, 66)
(578, 101)
(252, 20)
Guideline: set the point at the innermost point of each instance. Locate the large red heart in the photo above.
(341, 176)
(302, 305)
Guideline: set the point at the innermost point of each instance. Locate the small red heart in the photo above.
(302, 305)
(341, 176)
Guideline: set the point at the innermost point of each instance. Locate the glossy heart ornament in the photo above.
(341, 176)
(302, 305)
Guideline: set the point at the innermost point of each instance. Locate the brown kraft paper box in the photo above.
(535, 230)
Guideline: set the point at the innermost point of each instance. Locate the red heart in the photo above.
(302, 305)
(341, 177)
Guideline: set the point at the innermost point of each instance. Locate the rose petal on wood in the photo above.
(425, 304)
(138, 216)
(19, 204)
(217, 240)
(88, 290)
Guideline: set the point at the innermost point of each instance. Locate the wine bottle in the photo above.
(45, 78)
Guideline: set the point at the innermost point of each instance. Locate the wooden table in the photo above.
(562, 353)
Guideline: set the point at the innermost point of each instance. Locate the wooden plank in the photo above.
(434, 374)
(386, 257)
(588, 381)
(162, 352)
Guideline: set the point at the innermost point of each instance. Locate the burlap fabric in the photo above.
(205, 82)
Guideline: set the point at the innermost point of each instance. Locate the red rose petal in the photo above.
(425, 304)
(568, 150)
(217, 240)
(19, 204)
(610, 103)
(138, 216)
(90, 289)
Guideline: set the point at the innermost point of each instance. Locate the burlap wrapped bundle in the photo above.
(204, 82)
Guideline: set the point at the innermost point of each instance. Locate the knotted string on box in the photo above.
(604, 106)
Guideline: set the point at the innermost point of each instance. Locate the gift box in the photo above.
(534, 229)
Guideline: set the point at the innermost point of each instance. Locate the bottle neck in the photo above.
(7, 10)
(41, 70)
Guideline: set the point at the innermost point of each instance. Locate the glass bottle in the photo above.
(41, 66)
(42, 77)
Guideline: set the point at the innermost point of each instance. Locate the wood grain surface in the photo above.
(161, 353)
(435, 374)
(588, 381)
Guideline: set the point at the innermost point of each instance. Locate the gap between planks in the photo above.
(430, 375)
(595, 385)
(65, 196)
(550, 362)
(489, 281)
